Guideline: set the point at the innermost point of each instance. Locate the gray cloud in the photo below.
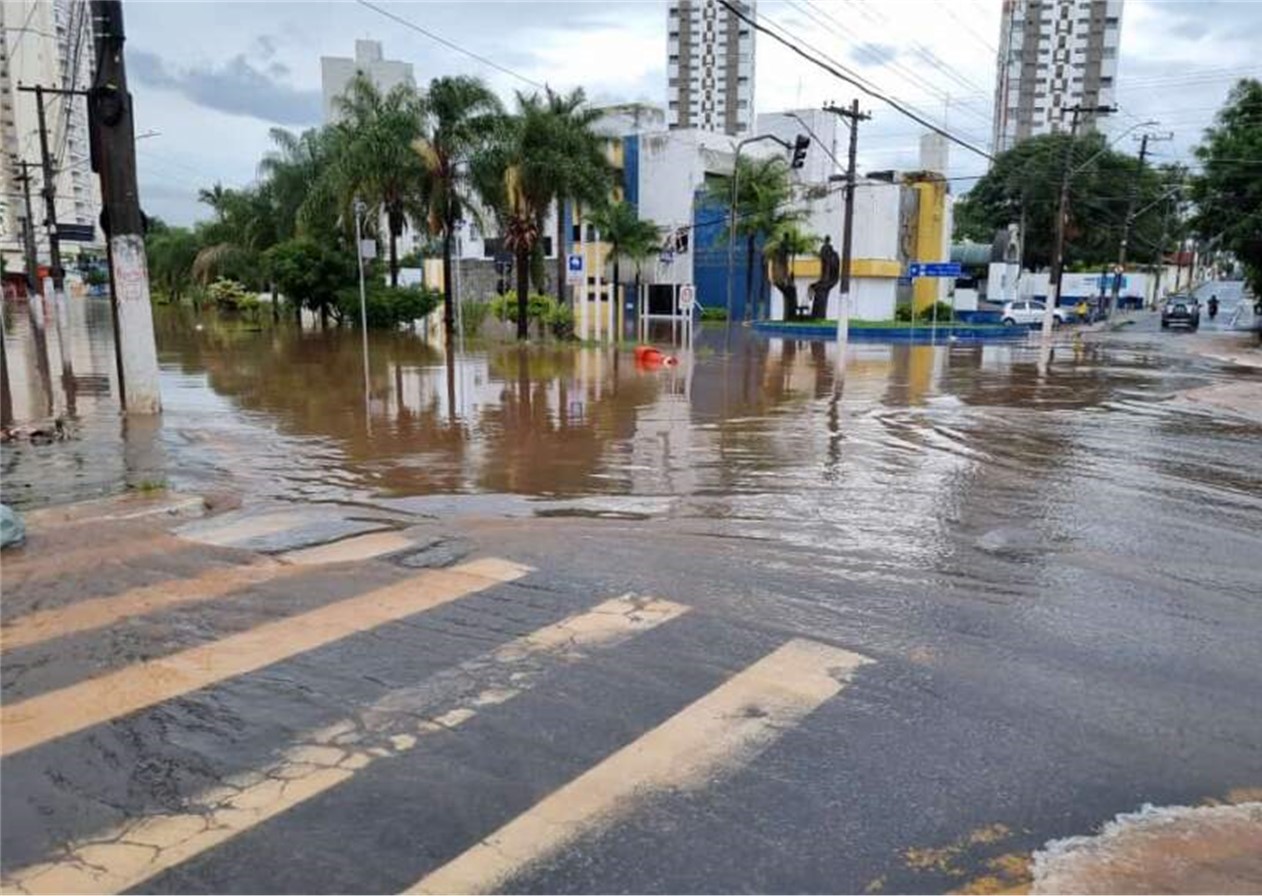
(873, 53)
(236, 87)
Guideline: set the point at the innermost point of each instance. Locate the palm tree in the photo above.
(786, 241)
(294, 172)
(582, 172)
(628, 236)
(763, 190)
(513, 175)
(375, 161)
(461, 115)
(244, 225)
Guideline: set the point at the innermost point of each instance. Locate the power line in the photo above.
(831, 69)
(449, 44)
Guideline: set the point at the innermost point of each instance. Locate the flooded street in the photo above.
(1007, 609)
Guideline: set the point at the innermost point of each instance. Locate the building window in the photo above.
(1110, 22)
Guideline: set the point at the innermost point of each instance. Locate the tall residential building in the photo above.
(48, 43)
(336, 73)
(1053, 55)
(710, 67)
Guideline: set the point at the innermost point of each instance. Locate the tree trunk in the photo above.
(523, 292)
(394, 257)
(559, 248)
(275, 304)
(749, 274)
(614, 299)
(449, 296)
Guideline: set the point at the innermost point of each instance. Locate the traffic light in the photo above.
(800, 146)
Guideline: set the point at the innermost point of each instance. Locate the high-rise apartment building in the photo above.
(336, 73)
(1053, 55)
(47, 43)
(710, 67)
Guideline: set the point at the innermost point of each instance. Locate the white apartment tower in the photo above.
(47, 43)
(710, 66)
(1053, 55)
(336, 73)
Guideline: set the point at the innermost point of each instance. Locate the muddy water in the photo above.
(921, 446)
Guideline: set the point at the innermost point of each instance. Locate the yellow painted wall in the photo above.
(859, 267)
(930, 219)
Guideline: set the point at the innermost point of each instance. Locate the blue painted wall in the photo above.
(709, 247)
(631, 170)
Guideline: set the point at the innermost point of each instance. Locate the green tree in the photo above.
(295, 174)
(461, 115)
(1228, 192)
(763, 190)
(171, 252)
(1024, 182)
(374, 160)
(786, 241)
(628, 236)
(311, 273)
(513, 174)
(581, 172)
(243, 226)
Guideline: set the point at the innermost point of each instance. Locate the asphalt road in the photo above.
(1007, 610)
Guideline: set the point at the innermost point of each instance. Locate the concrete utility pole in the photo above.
(1062, 216)
(1130, 216)
(114, 158)
(852, 116)
(49, 191)
(28, 235)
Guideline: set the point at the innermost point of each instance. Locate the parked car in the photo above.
(1029, 313)
(1183, 311)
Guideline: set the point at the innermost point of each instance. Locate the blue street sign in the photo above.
(934, 269)
(575, 263)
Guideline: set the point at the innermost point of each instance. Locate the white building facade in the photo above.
(336, 73)
(50, 44)
(1053, 55)
(710, 67)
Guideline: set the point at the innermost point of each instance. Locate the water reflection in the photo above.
(275, 410)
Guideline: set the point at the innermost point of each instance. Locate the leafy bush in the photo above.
(229, 295)
(714, 314)
(387, 307)
(473, 314)
(542, 310)
(903, 313)
(311, 273)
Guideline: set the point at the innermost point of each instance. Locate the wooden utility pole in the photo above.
(852, 116)
(114, 159)
(49, 191)
(28, 235)
(1129, 221)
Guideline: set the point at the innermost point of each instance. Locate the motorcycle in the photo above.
(1213, 307)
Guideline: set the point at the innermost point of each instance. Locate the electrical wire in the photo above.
(451, 45)
(833, 70)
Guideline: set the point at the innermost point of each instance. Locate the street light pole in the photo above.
(363, 299)
(1131, 214)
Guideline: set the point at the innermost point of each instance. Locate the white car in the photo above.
(1029, 313)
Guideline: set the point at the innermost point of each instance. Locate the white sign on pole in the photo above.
(687, 297)
(575, 269)
(368, 249)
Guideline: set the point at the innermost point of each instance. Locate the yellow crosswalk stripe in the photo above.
(98, 612)
(57, 713)
(142, 848)
(722, 730)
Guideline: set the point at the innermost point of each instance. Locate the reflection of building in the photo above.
(1053, 54)
(49, 44)
(336, 73)
(710, 66)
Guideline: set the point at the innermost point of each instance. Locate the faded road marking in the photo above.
(142, 848)
(724, 729)
(79, 706)
(99, 612)
(360, 547)
(60, 563)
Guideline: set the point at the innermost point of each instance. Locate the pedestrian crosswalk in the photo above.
(721, 730)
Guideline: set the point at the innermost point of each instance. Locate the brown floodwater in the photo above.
(749, 430)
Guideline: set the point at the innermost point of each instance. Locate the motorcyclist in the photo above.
(1213, 307)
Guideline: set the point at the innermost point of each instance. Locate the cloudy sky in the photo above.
(212, 78)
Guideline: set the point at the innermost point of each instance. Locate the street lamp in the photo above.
(359, 208)
(731, 210)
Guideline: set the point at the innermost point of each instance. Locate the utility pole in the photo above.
(852, 116)
(1062, 219)
(1130, 216)
(114, 158)
(28, 235)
